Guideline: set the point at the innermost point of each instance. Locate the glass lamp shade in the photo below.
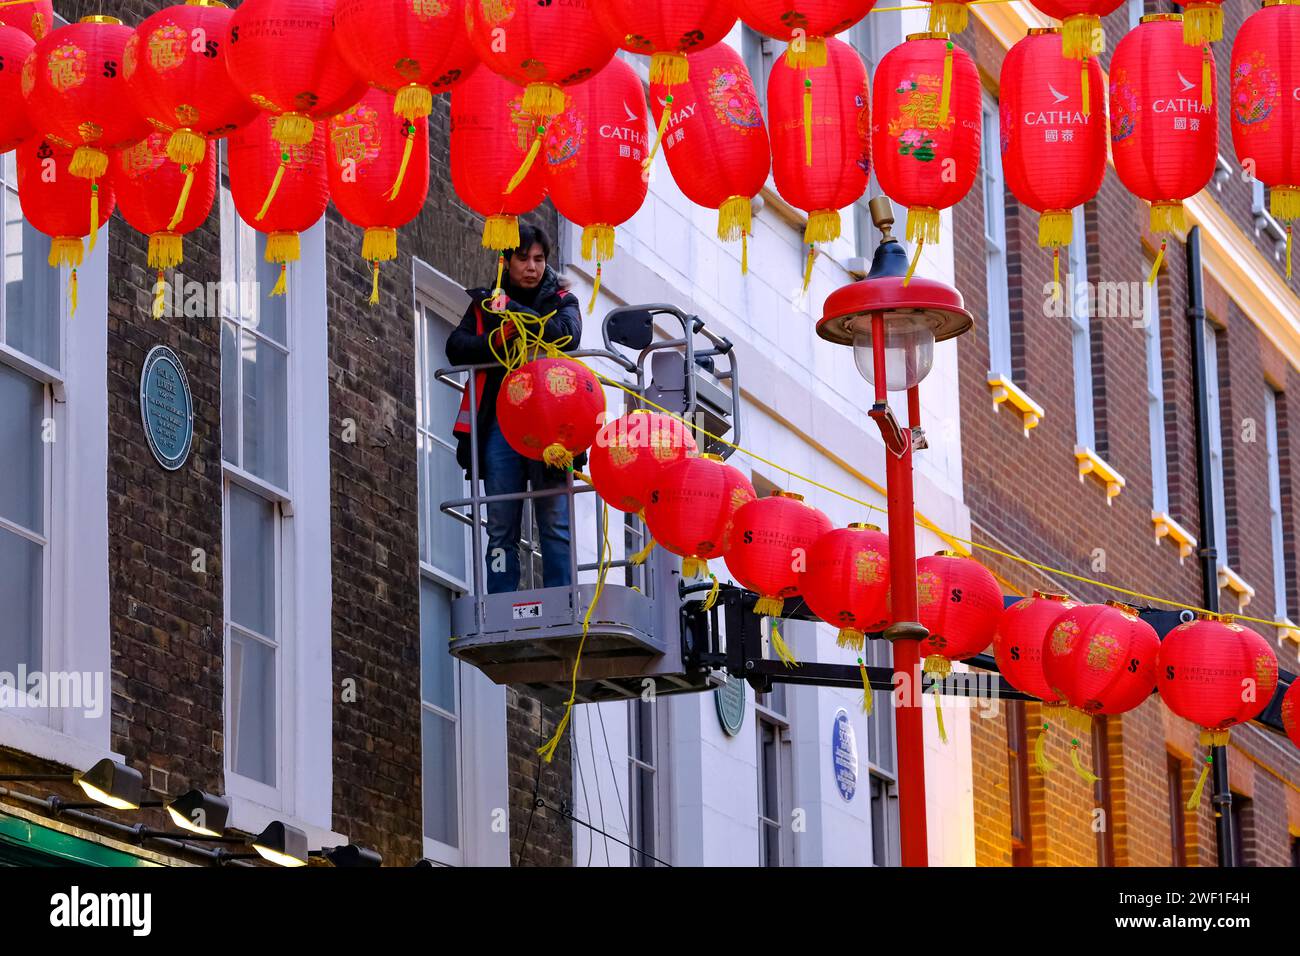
(909, 350)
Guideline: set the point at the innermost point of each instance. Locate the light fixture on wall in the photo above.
(351, 855)
(282, 844)
(199, 812)
(108, 783)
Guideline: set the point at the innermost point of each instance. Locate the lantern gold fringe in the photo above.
(851, 638)
(557, 456)
(694, 567)
(948, 17)
(1215, 738)
(781, 648)
(89, 162)
(823, 226)
(1081, 36)
(543, 99)
(1284, 202)
(1209, 738)
(413, 102)
(186, 147)
(379, 244)
(1167, 217)
(769, 606)
(598, 242)
(1055, 227)
(669, 68)
(166, 250)
(810, 53)
(66, 251)
(735, 218)
(501, 232)
(282, 247)
(922, 224)
(1202, 23)
(184, 200)
(293, 129)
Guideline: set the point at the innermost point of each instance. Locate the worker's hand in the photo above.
(505, 332)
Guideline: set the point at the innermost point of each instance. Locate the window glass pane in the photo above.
(229, 393)
(20, 597)
(22, 406)
(252, 561)
(252, 708)
(441, 803)
(272, 312)
(422, 442)
(437, 666)
(266, 420)
(447, 534)
(31, 288)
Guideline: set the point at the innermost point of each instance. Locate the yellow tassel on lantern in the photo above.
(282, 247)
(407, 151)
(1167, 217)
(1081, 36)
(641, 556)
(186, 147)
(782, 649)
(735, 217)
(1202, 23)
(938, 667)
(184, 199)
(374, 284)
(1085, 90)
(557, 456)
(94, 215)
(159, 296)
(712, 597)
(275, 186)
(1044, 765)
(851, 638)
(379, 244)
(413, 102)
(166, 250)
(293, 129)
(1155, 266)
(67, 251)
(867, 695)
(1086, 775)
(543, 99)
(72, 293)
(948, 17)
(501, 232)
(823, 226)
(911, 266)
(1209, 738)
(744, 253)
(1056, 273)
(88, 163)
(501, 271)
(806, 52)
(1284, 202)
(1207, 77)
(669, 68)
(808, 268)
(595, 290)
(529, 158)
(694, 567)
(664, 119)
(807, 122)
(945, 95)
(598, 242)
(1288, 251)
(768, 606)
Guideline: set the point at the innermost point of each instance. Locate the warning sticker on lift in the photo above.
(522, 612)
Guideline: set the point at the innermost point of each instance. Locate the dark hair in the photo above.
(530, 236)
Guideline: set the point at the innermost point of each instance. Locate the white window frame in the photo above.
(1155, 398)
(1085, 416)
(658, 766)
(1215, 429)
(995, 241)
(881, 736)
(1136, 9)
(1281, 611)
(766, 715)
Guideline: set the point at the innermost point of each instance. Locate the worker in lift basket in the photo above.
(533, 288)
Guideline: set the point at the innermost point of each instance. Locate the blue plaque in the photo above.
(166, 407)
(844, 755)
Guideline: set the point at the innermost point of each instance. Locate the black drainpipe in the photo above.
(1221, 798)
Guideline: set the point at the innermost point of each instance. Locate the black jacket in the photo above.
(467, 346)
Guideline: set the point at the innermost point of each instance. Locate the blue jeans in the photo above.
(507, 472)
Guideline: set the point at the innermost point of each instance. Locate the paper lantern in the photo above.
(926, 135)
(1163, 129)
(804, 25)
(1053, 145)
(960, 603)
(148, 186)
(1291, 712)
(35, 17)
(490, 137)
(376, 183)
(543, 47)
(821, 139)
(594, 152)
(53, 202)
(1202, 22)
(76, 95)
(1081, 33)
(630, 453)
(300, 180)
(550, 410)
(15, 45)
(284, 57)
(715, 139)
(767, 549)
(846, 582)
(1018, 645)
(175, 67)
(413, 48)
(666, 31)
(692, 507)
(1264, 111)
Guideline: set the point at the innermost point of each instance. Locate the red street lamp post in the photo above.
(892, 325)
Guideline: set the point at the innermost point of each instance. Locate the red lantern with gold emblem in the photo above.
(767, 550)
(15, 45)
(363, 159)
(33, 17)
(846, 582)
(543, 47)
(1163, 128)
(1053, 145)
(691, 509)
(256, 162)
(1291, 712)
(666, 31)
(926, 135)
(412, 48)
(960, 603)
(631, 452)
(1022, 633)
(821, 139)
(550, 410)
(490, 136)
(594, 151)
(148, 186)
(804, 24)
(1081, 33)
(284, 57)
(715, 139)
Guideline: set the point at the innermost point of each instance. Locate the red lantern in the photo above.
(1291, 712)
(15, 45)
(35, 18)
(1202, 21)
(666, 31)
(821, 143)
(550, 410)
(691, 509)
(542, 47)
(594, 152)
(77, 98)
(283, 56)
(804, 25)
(175, 65)
(490, 137)
(413, 48)
(363, 164)
(846, 582)
(1265, 112)
(1164, 134)
(256, 163)
(926, 135)
(1053, 148)
(148, 188)
(1081, 33)
(630, 453)
(767, 549)
(960, 603)
(1101, 658)
(1216, 674)
(54, 203)
(716, 143)
(1022, 633)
